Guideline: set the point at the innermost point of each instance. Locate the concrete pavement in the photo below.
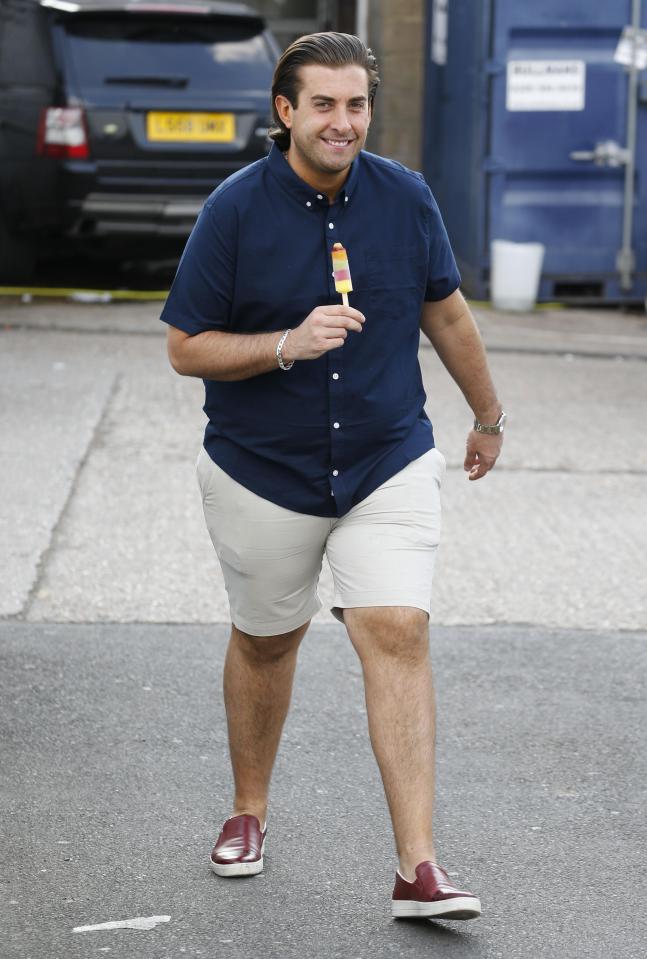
(596, 332)
(100, 518)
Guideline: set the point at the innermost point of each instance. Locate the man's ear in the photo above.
(284, 110)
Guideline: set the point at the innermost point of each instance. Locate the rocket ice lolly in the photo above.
(341, 272)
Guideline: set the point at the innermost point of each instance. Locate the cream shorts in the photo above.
(381, 553)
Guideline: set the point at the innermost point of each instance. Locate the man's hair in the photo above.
(325, 49)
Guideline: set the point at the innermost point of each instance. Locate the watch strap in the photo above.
(494, 429)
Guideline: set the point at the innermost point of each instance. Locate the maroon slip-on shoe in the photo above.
(239, 848)
(432, 896)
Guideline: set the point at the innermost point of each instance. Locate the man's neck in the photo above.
(328, 184)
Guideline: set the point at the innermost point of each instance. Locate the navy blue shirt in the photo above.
(321, 437)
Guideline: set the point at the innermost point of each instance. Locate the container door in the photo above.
(558, 130)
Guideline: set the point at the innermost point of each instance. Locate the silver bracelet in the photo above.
(279, 347)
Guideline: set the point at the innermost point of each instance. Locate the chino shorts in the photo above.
(381, 553)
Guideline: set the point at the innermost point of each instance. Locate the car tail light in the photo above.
(62, 133)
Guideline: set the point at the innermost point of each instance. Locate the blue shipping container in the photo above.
(526, 138)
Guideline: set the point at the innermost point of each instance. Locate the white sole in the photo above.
(239, 868)
(462, 907)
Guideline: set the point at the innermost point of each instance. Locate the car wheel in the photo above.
(17, 257)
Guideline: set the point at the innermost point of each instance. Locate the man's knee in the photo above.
(269, 648)
(400, 631)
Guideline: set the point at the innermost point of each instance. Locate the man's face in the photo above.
(330, 123)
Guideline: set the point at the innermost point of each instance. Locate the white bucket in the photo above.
(514, 274)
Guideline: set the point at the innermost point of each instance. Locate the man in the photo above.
(318, 440)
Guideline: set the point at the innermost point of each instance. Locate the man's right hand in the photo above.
(326, 328)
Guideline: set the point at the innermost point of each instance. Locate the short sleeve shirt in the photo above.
(322, 436)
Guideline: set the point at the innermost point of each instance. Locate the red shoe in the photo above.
(432, 895)
(239, 849)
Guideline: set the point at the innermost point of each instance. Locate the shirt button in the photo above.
(331, 226)
(345, 199)
(336, 425)
(319, 196)
(308, 203)
(335, 472)
(335, 376)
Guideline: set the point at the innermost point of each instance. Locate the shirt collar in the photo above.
(303, 192)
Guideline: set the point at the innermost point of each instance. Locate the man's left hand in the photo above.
(482, 453)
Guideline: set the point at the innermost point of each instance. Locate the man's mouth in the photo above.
(336, 143)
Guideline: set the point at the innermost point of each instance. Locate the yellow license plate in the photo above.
(191, 127)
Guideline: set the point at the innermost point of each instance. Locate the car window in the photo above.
(193, 52)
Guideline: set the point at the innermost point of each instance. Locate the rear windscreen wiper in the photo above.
(150, 80)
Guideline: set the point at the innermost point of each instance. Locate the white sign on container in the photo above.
(545, 85)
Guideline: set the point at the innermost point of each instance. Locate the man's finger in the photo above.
(342, 322)
(482, 467)
(342, 310)
(478, 471)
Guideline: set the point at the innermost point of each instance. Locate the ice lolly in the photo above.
(341, 272)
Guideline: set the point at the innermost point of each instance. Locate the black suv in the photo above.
(119, 117)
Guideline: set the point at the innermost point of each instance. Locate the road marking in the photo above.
(142, 922)
(96, 296)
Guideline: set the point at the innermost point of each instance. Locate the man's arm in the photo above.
(219, 355)
(215, 355)
(452, 331)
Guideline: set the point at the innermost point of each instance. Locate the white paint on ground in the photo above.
(141, 922)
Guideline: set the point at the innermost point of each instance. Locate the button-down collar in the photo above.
(308, 196)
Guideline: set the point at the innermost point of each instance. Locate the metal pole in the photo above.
(626, 259)
(362, 20)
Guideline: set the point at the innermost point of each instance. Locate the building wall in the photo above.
(396, 34)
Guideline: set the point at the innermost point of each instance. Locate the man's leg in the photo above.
(257, 684)
(392, 643)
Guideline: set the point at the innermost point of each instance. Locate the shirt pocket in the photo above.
(396, 268)
(396, 289)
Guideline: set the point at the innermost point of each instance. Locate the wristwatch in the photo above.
(495, 428)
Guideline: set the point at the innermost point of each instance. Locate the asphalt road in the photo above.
(116, 780)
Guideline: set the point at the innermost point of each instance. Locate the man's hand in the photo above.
(326, 328)
(482, 453)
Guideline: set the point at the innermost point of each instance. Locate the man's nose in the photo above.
(341, 121)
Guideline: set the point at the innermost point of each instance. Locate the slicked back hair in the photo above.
(327, 50)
